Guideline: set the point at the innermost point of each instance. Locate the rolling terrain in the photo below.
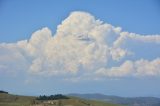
(130, 101)
(16, 100)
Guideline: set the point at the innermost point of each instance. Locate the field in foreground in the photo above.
(16, 100)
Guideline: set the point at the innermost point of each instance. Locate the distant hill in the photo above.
(134, 101)
(3, 92)
(16, 100)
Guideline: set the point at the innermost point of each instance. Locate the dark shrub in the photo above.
(3, 92)
(52, 97)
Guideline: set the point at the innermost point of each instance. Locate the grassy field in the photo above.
(15, 100)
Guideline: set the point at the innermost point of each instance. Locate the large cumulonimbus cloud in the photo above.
(82, 46)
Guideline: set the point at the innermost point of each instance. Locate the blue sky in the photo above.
(22, 18)
(19, 19)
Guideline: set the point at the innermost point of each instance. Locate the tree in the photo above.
(3, 92)
(52, 97)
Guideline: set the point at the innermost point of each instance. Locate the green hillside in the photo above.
(16, 100)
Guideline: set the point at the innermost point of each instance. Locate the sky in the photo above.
(101, 46)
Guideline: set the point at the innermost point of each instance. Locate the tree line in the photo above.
(52, 97)
(3, 92)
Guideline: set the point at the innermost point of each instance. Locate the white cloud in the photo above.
(12, 58)
(37, 43)
(133, 68)
(118, 53)
(124, 36)
(82, 46)
(120, 71)
(149, 68)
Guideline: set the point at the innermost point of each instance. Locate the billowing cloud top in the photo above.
(83, 47)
